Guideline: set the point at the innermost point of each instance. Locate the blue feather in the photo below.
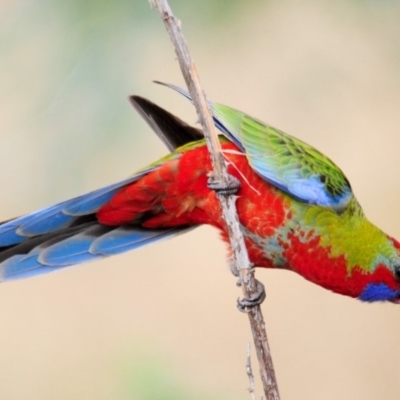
(21, 266)
(128, 238)
(60, 215)
(378, 292)
(70, 251)
(91, 244)
(47, 221)
(9, 236)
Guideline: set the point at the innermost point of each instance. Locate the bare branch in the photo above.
(220, 175)
(249, 372)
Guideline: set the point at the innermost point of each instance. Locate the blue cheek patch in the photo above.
(378, 292)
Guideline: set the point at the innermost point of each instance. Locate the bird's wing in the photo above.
(286, 162)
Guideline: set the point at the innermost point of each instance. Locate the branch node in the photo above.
(227, 187)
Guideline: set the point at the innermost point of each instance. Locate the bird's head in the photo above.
(384, 281)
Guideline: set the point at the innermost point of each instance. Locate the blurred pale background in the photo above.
(161, 322)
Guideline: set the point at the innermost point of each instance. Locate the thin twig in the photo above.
(240, 256)
(249, 372)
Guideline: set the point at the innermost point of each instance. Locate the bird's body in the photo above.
(294, 214)
(280, 231)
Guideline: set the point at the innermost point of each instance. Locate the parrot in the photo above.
(296, 209)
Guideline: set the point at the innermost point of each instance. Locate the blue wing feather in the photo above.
(49, 220)
(22, 266)
(93, 243)
(61, 215)
(129, 238)
(73, 250)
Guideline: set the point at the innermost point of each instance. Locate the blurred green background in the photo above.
(161, 323)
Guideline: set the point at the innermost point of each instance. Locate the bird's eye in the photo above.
(397, 272)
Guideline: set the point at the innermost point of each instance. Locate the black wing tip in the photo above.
(170, 129)
(138, 101)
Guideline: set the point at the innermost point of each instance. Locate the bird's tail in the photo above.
(69, 233)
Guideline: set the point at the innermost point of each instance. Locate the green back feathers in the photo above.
(286, 162)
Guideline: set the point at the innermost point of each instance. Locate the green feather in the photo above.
(287, 162)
